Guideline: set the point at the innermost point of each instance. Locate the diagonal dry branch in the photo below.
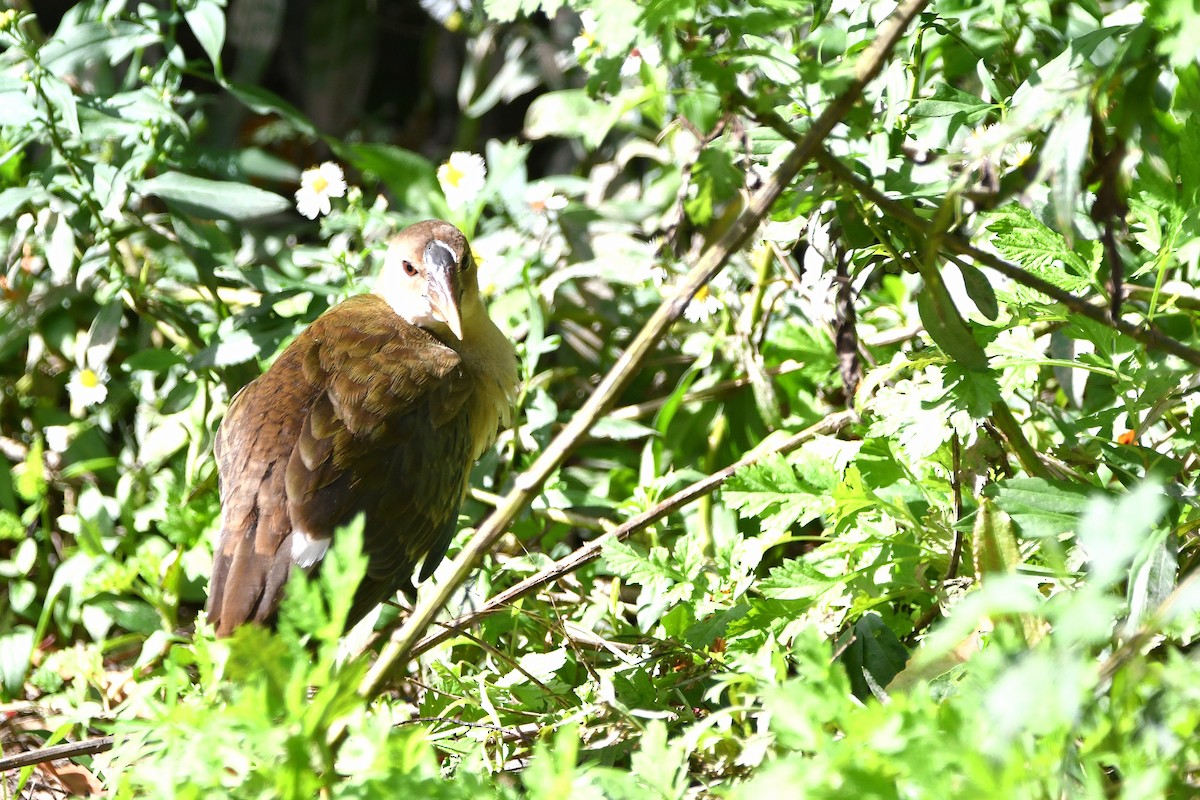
(870, 63)
(591, 551)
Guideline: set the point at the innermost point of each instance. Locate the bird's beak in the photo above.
(441, 271)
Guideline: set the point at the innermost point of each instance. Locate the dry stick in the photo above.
(399, 647)
(591, 551)
(85, 748)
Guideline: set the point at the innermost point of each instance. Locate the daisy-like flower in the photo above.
(86, 388)
(703, 306)
(1018, 154)
(586, 39)
(317, 186)
(462, 178)
(543, 201)
(976, 145)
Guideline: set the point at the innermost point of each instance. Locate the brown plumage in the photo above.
(380, 406)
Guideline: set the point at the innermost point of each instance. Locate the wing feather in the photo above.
(328, 432)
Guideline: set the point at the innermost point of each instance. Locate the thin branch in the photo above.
(591, 551)
(1146, 334)
(870, 63)
(87, 747)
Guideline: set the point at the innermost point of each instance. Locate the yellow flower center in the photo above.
(89, 378)
(319, 184)
(702, 293)
(454, 175)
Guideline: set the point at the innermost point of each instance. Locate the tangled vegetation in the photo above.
(854, 453)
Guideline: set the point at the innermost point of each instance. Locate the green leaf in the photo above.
(772, 492)
(1154, 578)
(995, 545)
(571, 113)
(1022, 238)
(1063, 156)
(410, 177)
(873, 658)
(11, 527)
(946, 101)
(796, 579)
(237, 347)
(621, 430)
(213, 199)
(979, 289)
(16, 649)
(207, 21)
(1114, 530)
(717, 179)
(265, 102)
(153, 360)
(73, 46)
(1041, 509)
(946, 326)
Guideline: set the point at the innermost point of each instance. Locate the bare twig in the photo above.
(870, 63)
(87, 747)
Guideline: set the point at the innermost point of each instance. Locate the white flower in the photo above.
(632, 64)
(977, 144)
(86, 388)
(462, 178)
(58, 437)
(703, 306)
(1018, 155)
(542, 200)
(587, 35)
(317, 185)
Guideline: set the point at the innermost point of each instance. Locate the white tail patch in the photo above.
(307, 549)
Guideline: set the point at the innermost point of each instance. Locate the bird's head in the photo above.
(429, 279)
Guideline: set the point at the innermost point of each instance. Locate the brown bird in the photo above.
(380, 406)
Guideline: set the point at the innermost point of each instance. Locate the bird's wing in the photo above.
(360, 414)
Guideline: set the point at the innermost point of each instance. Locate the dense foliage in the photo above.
(978, 578)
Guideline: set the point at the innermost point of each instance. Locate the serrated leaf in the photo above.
(1022, 238)
(774, 493)
(796, 579)
(213, 199)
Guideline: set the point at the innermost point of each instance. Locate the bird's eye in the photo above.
(409, 269)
